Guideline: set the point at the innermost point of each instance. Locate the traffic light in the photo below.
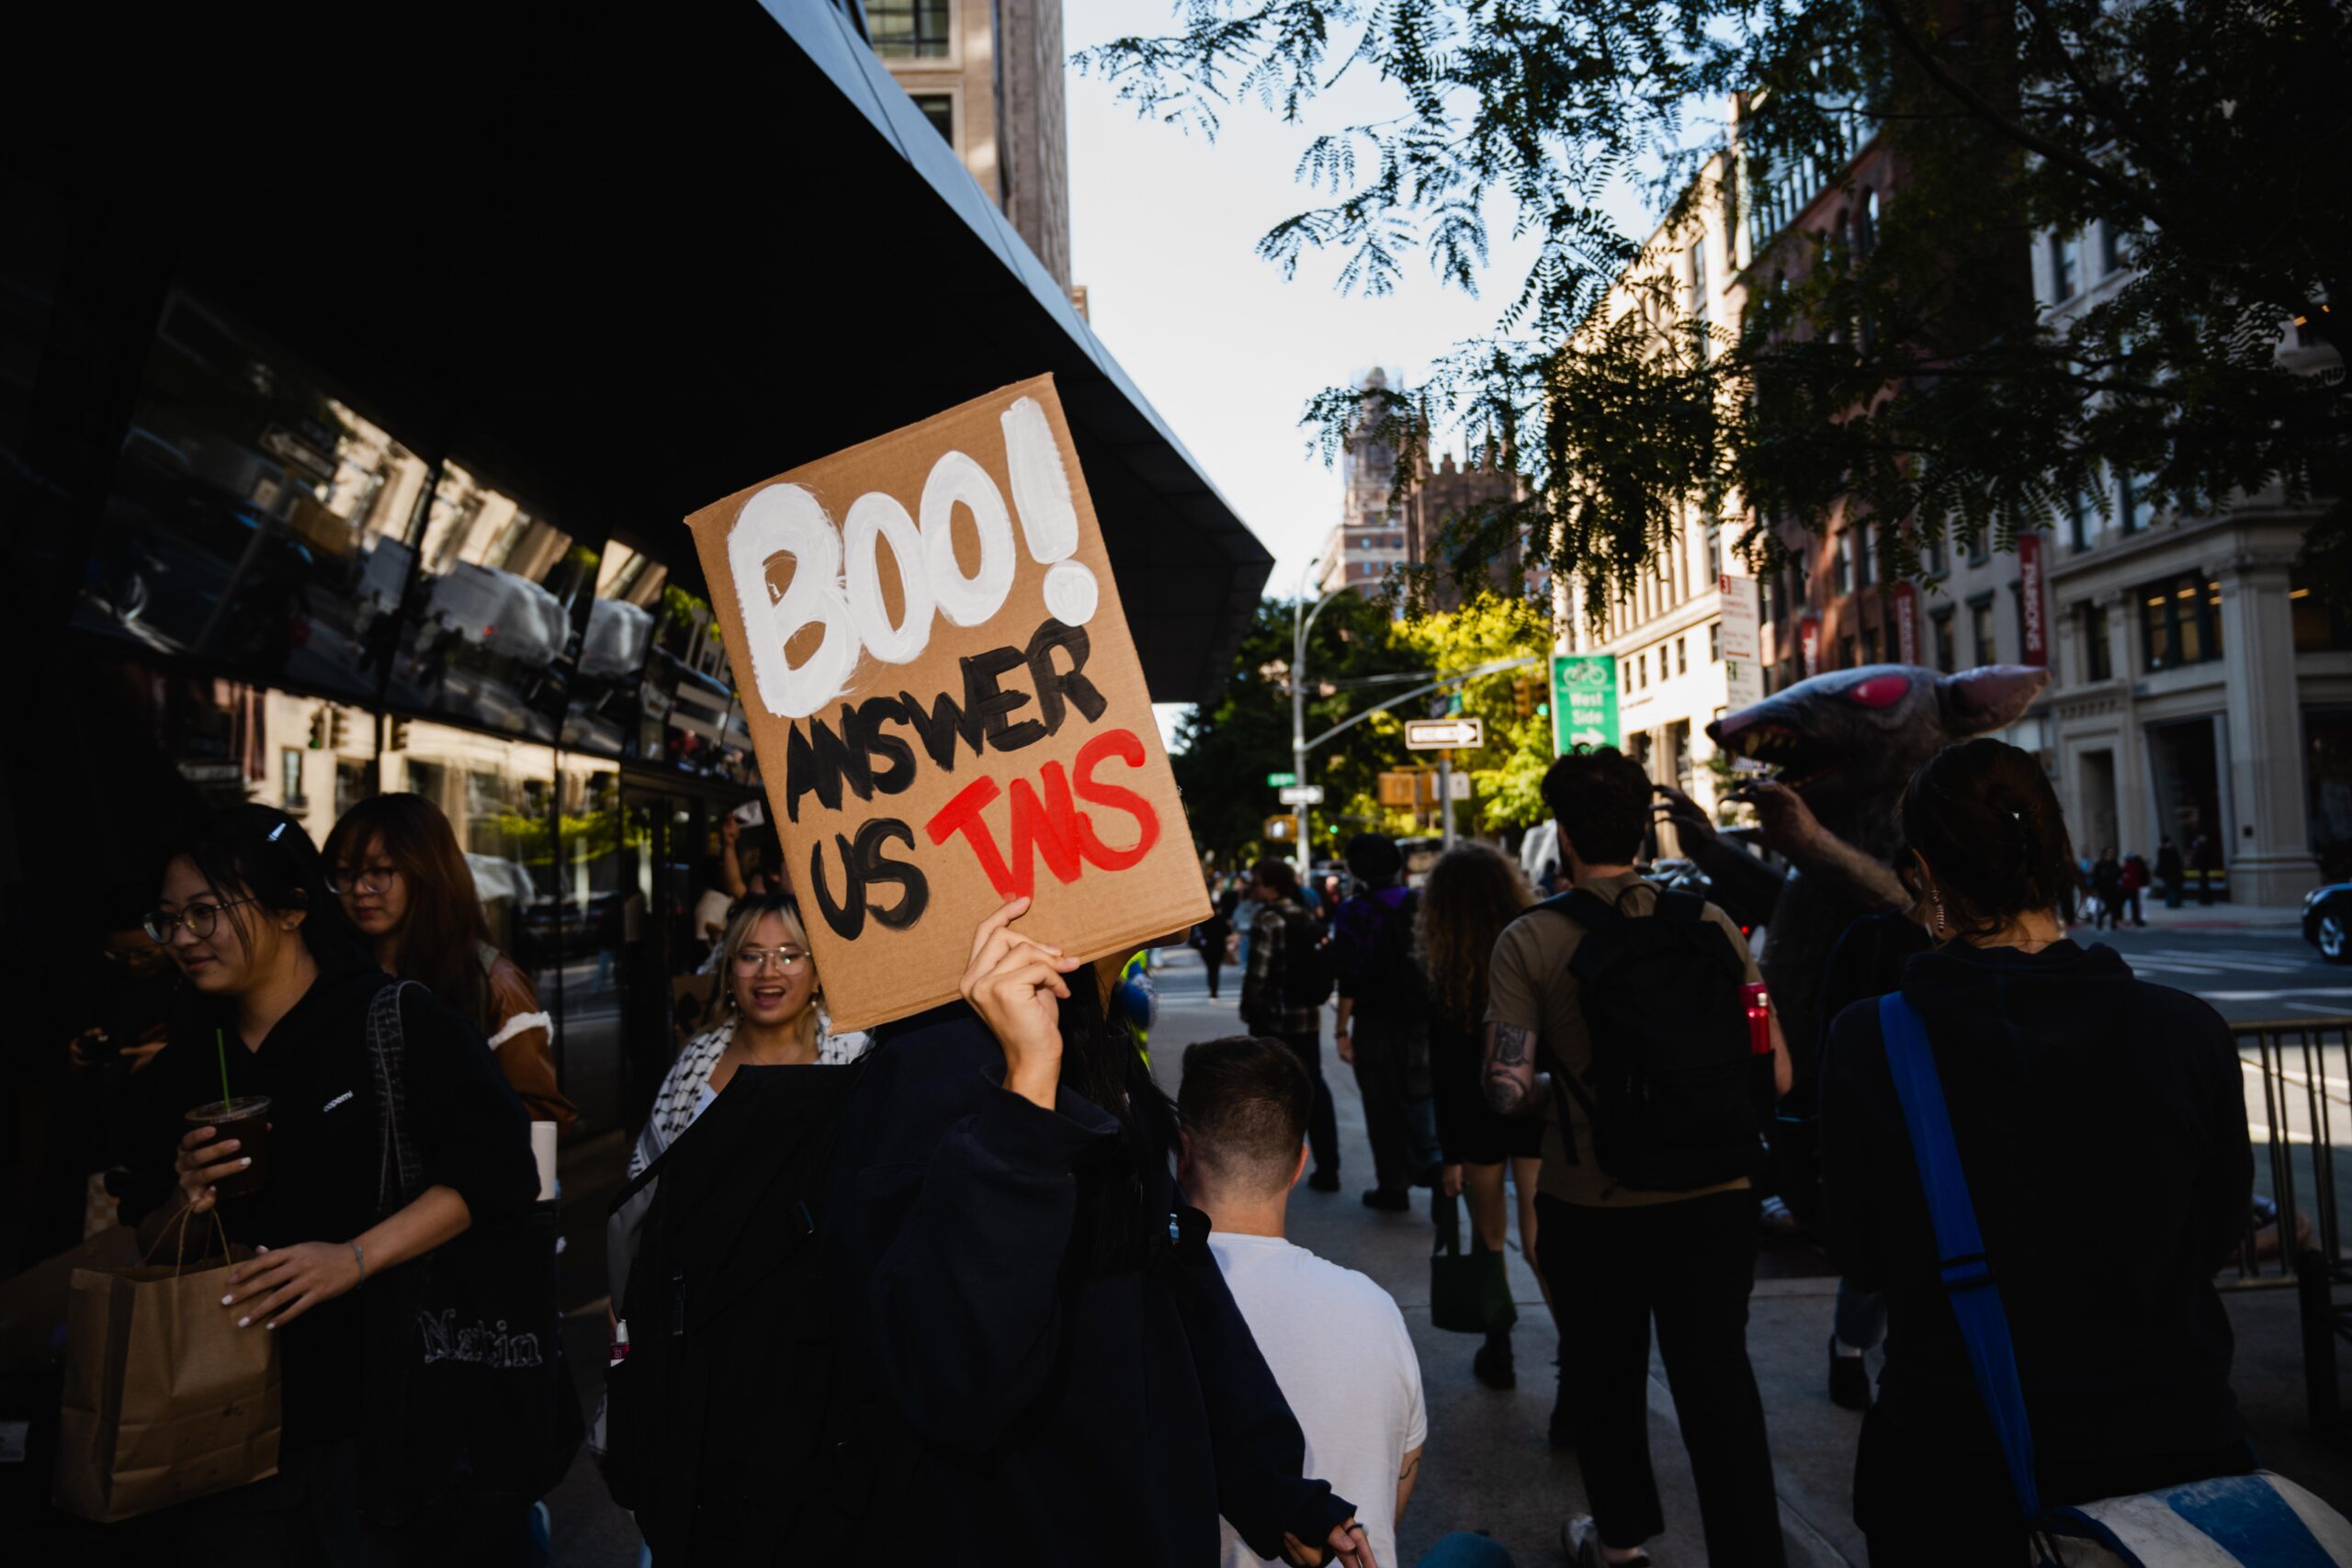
(338, 728)
(1523, 698)
(319, 731)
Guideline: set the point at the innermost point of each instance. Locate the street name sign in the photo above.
(1278, 780)
(1445, 734)
(1302, 794)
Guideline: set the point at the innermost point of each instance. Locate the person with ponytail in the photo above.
(407, 886)
(1020, 1276)
(2101, 1128)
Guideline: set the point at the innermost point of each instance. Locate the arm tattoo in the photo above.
(1412, 1463)
(1510, 1077)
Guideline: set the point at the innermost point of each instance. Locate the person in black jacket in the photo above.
(1014, 1265)
(2101, 1130)
(279, 989)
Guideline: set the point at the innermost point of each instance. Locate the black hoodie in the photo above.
(2101, 1125)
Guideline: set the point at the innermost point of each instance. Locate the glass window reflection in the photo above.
(497, 795)
(500, 599)
(688, 716)
(604, 710)
(257, 521)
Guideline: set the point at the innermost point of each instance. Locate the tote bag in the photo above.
(468, 1396)
(2253, 1520)
(165, 1400)
(1469, 1291)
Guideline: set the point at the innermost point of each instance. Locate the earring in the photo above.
(1936, 903)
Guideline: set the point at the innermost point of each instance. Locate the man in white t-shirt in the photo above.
(1336, 1342)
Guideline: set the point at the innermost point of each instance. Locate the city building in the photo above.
(1382, 528)
(988, 75)
(347, 450)
(1665, 637)
(2204, 692)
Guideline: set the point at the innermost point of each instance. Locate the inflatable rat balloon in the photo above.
(1845, 744)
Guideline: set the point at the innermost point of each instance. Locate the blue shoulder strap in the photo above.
(1959, 1249)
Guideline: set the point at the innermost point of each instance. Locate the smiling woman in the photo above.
(281, 1007)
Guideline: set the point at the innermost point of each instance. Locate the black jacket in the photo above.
(2101, 1128)
(1067, 1416)
(324, 1157)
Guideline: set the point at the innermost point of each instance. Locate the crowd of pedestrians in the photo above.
(1075, 1300)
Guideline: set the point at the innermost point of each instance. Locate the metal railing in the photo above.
(2298, 1098)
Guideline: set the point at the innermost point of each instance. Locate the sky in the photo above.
(1163, 233)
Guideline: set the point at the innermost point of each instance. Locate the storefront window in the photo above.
(500, 600)
(2321, 626)
(2180, 622)
(605, 701)
(256, 523)
(688, 716)
(497, 795)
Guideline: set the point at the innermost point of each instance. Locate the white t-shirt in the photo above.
(1338, 1348)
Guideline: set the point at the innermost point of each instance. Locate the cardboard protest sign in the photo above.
(946, 703)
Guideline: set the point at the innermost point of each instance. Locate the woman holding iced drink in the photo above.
(279, 989)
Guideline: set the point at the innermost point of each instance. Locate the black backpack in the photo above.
(1380, 965)
(1673, 1091)
(1309, 976)
(733, 1428)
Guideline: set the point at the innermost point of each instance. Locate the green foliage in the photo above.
(1358, 657)
(1901, 369)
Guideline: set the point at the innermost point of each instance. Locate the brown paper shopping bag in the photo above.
(165, 1399)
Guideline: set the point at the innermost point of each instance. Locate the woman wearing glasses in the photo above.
(277, 1003)
(408, 888)
(770, 1015)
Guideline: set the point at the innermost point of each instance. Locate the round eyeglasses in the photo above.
(753, 960)
(200, 919)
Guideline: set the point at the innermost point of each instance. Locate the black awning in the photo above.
(633, 258)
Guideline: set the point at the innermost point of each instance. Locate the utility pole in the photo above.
(1446, 793)
(1302, 621)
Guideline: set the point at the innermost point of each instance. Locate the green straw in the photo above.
(221, 1042)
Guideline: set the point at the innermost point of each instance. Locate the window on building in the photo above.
(289, 779)
(2134, 506)
(1939, 632)
(2066, 265)
(2180, 622)
(1932, 557)
(1683, 656)
(1714, 642)
(1627, 672)
(1983, 646)
(1642, 670)
(2321, 626)
(1980, 548)
(1865, 547)
(1714, 554)
(1869, 645)
(909, 29)
(2078, 521)
(940, 109)
(1841, 565)
(2099, 653)
(2114, 246)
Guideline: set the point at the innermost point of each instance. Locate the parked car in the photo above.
(2327, 921)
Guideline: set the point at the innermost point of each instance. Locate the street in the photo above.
(1488, 1467)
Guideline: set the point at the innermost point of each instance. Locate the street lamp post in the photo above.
(1302, 621)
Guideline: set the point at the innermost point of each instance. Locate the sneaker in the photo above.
(1492, 1365)
(1388, 1199)
(1849, 1379)
(1580, 1543)
(1324, 1181)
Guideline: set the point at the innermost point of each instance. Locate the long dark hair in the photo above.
(1102, 1061)
(1470, 895)
(441, 939)
(1982, 816)
(263, 854)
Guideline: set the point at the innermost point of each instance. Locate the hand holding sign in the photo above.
(1016, 987)
(935, 734)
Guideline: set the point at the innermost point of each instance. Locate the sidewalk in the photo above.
(1487, 1468)
(2195, 916)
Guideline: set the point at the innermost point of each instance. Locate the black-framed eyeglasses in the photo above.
(200, 919)
(376, 879)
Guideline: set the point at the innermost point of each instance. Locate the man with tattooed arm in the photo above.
(1614, 1255)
